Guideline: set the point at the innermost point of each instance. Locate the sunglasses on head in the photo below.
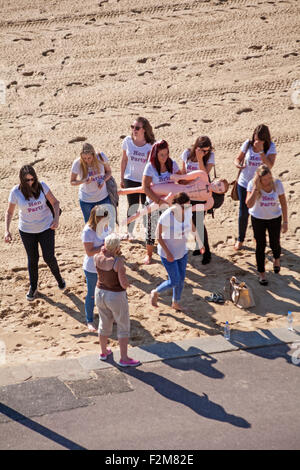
(136, 128)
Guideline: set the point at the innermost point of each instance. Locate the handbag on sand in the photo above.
(240, 293)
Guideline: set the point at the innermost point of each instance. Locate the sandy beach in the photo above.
(82, 72)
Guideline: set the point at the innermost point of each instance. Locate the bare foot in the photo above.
(147, 259)
(153, 298)
(238, 246)
(91, 327)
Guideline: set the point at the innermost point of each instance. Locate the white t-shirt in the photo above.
(34, 214)
(252, 162)
(194, 166)
(268, 205)
(91, 192)
(151, 171)
(137, 159)
(89, 235)
(175, 233)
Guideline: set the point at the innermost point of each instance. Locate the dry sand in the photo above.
(78, 72)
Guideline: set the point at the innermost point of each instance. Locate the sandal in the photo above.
(216, 297)
(153, 298)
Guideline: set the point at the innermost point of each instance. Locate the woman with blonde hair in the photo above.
(90, 172)
(93, 236)
(136, 149)
(268, 209)
(111, 299)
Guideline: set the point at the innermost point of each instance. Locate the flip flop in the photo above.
(216, 297)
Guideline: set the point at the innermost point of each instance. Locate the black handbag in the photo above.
(50, 205)
(218, 199)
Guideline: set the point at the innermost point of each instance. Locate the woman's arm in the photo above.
(121, 270)
(283, 203)
(75, 182)
(124, 162)
(183, 169)
(8, 218)
(146, 184)
(238, 161)
(163, 243)
(251, 197)
(55, 204)
(90, 249)
(268, 160)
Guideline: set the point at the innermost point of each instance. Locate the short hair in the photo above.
(112, 242)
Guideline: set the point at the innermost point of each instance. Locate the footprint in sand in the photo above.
(244, 110)
(283, 173)
(48, 52)
(77, 139)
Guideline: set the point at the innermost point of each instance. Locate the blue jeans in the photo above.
(243, 213)
(91, 281)
(176, 271)
(86, 207)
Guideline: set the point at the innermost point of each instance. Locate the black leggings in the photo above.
(260, 226)
(47, 241)
(133, 201)
(199, 229)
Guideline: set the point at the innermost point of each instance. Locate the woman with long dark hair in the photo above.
(199, 157)
(37, 225)
(158, 170)
(136, 149)
(254, 152)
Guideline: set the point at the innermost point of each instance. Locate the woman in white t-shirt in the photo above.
(93, 236)
(136, 149)
(268, 209)
(90, 172)
(254, 152)
(158, 170)
(199, 157)
(173, 229)
(37, 225)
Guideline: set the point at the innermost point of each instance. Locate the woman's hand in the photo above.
(54, 224)
(122, 184)
(170, 257)
(200, 152)
(8, 237)
(284, 227)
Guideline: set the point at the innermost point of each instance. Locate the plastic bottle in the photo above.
(290, 321)
(227, 331)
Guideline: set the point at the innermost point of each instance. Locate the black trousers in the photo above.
(260, 227)
(133, 201)
(203, 235)
(31, 243)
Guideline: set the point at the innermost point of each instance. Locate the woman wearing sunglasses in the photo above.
(199, 157)
(93, 236)
(36, 224)
(136, 148)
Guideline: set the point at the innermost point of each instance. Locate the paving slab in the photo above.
(37, 398)
(106, 381)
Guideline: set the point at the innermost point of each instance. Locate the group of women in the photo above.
(147, 171)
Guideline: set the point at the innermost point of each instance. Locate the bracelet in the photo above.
(284, 223)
